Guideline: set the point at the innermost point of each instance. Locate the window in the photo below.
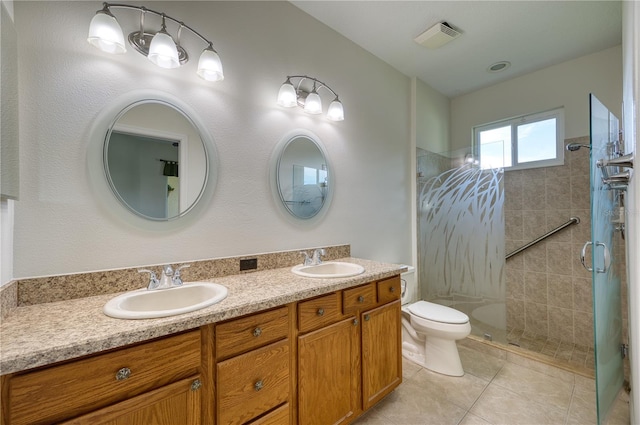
(529, 141)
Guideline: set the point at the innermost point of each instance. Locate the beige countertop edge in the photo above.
(44, 334)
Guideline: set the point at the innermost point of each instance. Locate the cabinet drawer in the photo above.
(246, 333)
(389, 289)
(359, 298)
(77, 387)
(280, 416)
(253, 383)
(318, 312)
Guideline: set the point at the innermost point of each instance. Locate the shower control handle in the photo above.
(583, 254)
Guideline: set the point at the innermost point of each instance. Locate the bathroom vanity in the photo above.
(281, 349)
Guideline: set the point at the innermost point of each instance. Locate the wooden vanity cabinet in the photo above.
(351, 359)
(253, 369)
(328, 363)
(141, 372)
(382, 344)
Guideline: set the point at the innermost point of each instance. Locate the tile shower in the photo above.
(548, 294)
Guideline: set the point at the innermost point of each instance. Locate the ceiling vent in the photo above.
(437, 36)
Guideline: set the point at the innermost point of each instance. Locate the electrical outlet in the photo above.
(249, 264)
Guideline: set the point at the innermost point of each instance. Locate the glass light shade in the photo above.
(210, 66)
(335, 112)
(313, 103)
(163, 51)
(105, 33)
(287, 96)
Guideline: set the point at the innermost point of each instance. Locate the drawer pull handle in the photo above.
(392, 289)
(360, 299)
(123, 374)
(258, 385)
(355, 322)
(367, 317)
(257, 332)
(195, 385)
(320, 312)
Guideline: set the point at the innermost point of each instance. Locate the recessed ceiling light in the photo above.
(499, 66)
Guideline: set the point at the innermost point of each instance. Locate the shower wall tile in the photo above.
(514, 224)
(533, 224)
(560, 290)
(583, 328)
(535, 258)
(535, 287)
(558, 193)
(580, 192)
(581, 232)
(582, 294)
(559, 259)
(536, 318)
(515, 314)
(561, 323)
(515, 283)
(578, 161)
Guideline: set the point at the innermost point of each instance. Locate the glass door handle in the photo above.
(583, 254)
(606, 258)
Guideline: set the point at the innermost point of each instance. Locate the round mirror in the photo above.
(155, 160)
(302, 175)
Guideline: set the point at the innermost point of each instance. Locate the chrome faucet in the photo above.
(176, 280)
(307, 259)
(168, 279)
(154, 283)
(317, 254)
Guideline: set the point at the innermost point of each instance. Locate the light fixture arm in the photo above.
(108, 6)
(315, 80)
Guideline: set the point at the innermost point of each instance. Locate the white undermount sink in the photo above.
(330, 269)
(150, 304)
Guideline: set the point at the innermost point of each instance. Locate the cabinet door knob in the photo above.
(257, 332)
(320, 312)
(367, 317)
(123, 374)
(392, 289)
(258, 385)
(195, 385)
(355, 322)
(360, 299)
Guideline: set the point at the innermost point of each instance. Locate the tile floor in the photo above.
(499, 387)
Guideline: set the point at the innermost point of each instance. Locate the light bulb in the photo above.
(105, 33)
(336, 111)
(210, 66)
(287, 95)
(162, 50)
(313, 103)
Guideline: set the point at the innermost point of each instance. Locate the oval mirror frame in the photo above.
(102, 182)
(302, 178)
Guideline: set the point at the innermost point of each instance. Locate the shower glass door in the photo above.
(606, 283)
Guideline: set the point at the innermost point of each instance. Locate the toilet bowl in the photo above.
(429, 334)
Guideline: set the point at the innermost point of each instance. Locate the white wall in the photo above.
(432, 119)
(631, 123)
(65, 83)
(567, 84)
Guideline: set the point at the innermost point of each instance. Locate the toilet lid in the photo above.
(438, 313)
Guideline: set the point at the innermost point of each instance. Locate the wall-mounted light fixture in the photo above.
(290, 96)
(106, 34)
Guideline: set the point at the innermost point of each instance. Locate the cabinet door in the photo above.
(177, 403)
(381, 352)
(329, 374)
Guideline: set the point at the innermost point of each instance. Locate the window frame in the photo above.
(514, 122)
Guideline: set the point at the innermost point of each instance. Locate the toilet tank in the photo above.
(409, 285)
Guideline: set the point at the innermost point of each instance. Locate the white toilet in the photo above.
(430, 332)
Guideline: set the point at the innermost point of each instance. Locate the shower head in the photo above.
(572, 147)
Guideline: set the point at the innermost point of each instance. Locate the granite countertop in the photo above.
(43, 334)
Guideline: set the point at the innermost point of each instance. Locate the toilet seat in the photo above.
(437, 313)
